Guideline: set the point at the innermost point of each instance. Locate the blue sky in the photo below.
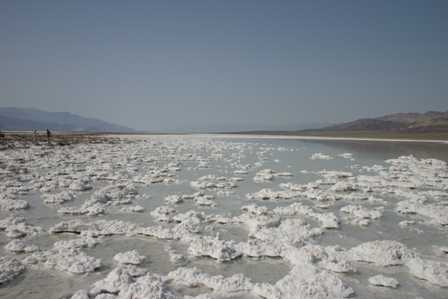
(180, 65)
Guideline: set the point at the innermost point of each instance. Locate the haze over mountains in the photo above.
(25, 119)
(431, 121)
(22, 119)
(428, 122)
(12, 118)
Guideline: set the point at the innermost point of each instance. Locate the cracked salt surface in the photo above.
(203, 217)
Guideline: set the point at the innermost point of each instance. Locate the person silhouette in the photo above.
(35, 136)
(48, 136)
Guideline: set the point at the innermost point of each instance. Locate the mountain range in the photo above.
(431, 124)
(25, 119)
(431, 121)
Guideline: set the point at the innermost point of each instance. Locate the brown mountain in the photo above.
(432, 121)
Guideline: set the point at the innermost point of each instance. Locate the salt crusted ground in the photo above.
(186, 217)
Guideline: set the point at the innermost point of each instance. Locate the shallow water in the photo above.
(223, 157)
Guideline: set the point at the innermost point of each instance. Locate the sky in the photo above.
(224, 64)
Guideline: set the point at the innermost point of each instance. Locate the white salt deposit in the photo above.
(203, 217)
(10, 268)
(130, 257)
(384, 281)
(320, 156)
(382, 253)
(434, 272)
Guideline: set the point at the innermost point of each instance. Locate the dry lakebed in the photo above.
(134, 217)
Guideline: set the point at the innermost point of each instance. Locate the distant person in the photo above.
(2, 136)
(48, 136)
(35, 136)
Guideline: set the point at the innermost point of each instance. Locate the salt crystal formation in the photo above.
(130, 257)
(383, 281)
(9, 269)
(189, 216)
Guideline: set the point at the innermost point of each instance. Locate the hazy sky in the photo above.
(164, 65)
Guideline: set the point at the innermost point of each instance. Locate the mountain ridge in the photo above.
(21, 119)
(397, 122)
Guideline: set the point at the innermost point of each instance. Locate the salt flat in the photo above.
(304, 137)
(214, 216)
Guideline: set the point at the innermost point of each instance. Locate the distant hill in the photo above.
(432, 121)
(21, 119)
(432, 125)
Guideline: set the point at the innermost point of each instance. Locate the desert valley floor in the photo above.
(210, 217)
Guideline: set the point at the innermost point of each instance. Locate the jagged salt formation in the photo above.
(384, 281)
(360, 215)
(16, 227)
(320, 156)
(432, 271)
(382, 253)
(129, 257)
(10, 268)
(90, 185)
(66, 256)
(266, 175)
